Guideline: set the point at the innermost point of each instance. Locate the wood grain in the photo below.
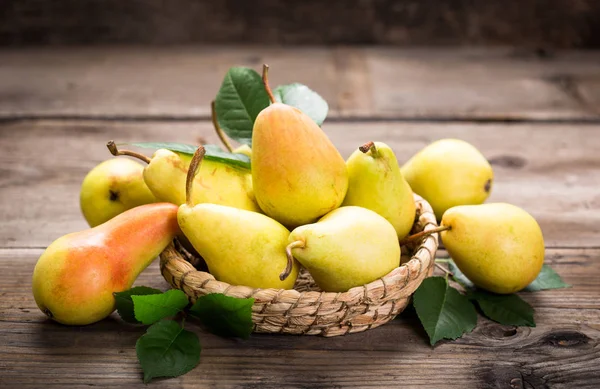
(551, 170)
(531, 23)
(561, 352)
(179, 82)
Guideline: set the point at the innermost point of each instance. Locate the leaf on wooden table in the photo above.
(303, 98)
(547, 279)
(225, 315)
(507, 309)
(124, 303)
(152, 308)
(213, 152)
(239, 101)
(443, 311)
(167, 350)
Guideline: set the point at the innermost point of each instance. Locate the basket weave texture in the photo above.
(306, 310)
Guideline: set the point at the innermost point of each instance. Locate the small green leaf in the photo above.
(459, 276)
(125, 303)
(167, 350)
(547, 279)
(443, 311)
(303, 98)
(239, 101)
(152, 308)
(507, 309)
(224, 315)
(213, 152)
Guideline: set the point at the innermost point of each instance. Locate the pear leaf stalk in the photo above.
(422, 234)
(192, 171)
(290, 258)
(112, 147)
(265, 79)
(370, 146)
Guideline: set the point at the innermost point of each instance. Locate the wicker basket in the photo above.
(307, 310)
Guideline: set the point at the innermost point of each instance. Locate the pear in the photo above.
(75, 277)
(240, 247)
(112, 187)
(498, 246)
(222, 184)
(297, 173)
(375, 182)
(449, 172)
(350, 246)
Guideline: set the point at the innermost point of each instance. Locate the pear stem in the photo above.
(265, 79)
(290, 258)
(112, 147)
(369, 146)
(423, 234)
(192, 170)
(444, 269)
(218, 128)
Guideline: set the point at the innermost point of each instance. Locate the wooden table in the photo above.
(535, 116)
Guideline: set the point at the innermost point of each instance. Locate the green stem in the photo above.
(218, 128)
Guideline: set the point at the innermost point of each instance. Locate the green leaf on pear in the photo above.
(124, 303)
(167, 350)
(303, 98)
(507, 309)
(152, 308)
(443, 311)
(547, 279)
(239, 101)
(225, 315)
(213, 152)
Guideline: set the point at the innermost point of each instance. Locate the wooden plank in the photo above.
(562, 351)
(180, 82)
(550, 170)
(528, 23)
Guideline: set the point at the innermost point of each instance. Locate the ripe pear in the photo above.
(350, 246)
(498, 246)
(218, 183)
(297, 173)
(449, 172)
(375, 182)
(76, 276)
(240, 247)
(112, 187)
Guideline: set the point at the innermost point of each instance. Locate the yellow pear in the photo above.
(375, 182)
(112, 187)
(297, 173)
(240, 247)
(350, 246)
(218, 183)
(449, 172)
(498, 246)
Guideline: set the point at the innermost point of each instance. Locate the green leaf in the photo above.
(239, 101)
(225, 315)
(303, 98)
(459, 276)
(152, 308)
(213, 152)
(443, 311)
(125, 303)
(547, 279)
(167, 350)
(507, 309)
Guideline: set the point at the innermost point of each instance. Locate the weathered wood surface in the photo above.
(532, 23)
(551, 170)
(58, 109)
(167, 83)
(563, 351)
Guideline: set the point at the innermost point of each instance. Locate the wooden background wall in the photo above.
(526, 23)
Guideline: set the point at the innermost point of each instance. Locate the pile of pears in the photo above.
(300, 205)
